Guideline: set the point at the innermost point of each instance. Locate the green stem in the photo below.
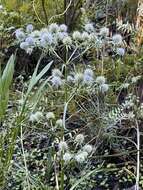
(44, 10)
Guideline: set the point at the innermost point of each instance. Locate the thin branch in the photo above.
(59, 15)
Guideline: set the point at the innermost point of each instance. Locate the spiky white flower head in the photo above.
(20, 35)
(59, 123)
(43, 31)
(35, 34)
(46, 39)
(63, 146)
(125, 85)
(117, 39)
(84, 153)
(29, 50)
(120, 51)
(135, 79)
(88, 72)
(100, 80)
(50, 115)
(70, 79)
(79, 139)
(56, 81)
(88, 148)
(89, 27)
(56, 72)
(104, 88)
(87, 79)
(35, 117)
(67, 41)
(77, 36)
(24, 45)
(81, 157)
(29, 28)
(78, 77)
(30, 41)
(53, 28)
(63, 28)
(85, 36)
(67, 157)
(39, 114)
(61, 35)
(104, 32)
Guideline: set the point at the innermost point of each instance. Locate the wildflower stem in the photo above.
(56, 174)
(24, 158)
(138, 156)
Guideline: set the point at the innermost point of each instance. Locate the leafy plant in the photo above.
(5, 82)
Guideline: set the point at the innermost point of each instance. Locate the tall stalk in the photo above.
(44, 10)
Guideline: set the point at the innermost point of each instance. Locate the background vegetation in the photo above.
(71, 111)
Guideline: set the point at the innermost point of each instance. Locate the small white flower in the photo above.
(35, 117)
(135, 79)
(56, 72)
(29, 50)
(30, 41)
(104, 32)
(56, 81)
(120, 51)
(77, 36)
(24, 45)
(70, 79)
(84, 153)
(35, 34)
(79, 139)
(67, 41)
(29, 28)
(88, 72)
(67, 157)
(19, 35)
(63, 146)
(89, 27)
(63, 28)
(61, 35)
(81, 157)
(46, 39)
(88, 148)
(117, 39)
(53, 28)
(87, 79)
(104, 88)
(78, 77)
(50, 115)
(100, 80)
(59, 123)
(85, 36)
(125, 85)
(39, 115)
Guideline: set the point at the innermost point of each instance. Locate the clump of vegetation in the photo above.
(76, 122)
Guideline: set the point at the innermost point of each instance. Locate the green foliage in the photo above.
(5, 82)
